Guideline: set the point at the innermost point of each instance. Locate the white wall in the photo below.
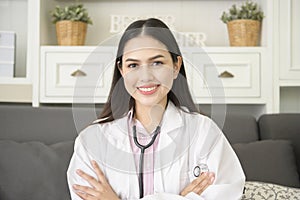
(191, 16)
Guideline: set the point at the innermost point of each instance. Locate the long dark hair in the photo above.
(119, 100)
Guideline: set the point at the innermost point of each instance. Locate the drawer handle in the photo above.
(226, 74)
(78, 73)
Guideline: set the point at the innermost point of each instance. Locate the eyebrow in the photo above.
(158, 56)
(152, 58)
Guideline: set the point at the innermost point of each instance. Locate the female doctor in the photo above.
(150, 142)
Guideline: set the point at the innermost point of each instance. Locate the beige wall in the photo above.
(15, 93)
(190, 16)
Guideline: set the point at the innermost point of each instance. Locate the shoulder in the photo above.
(98, 132)
(204, 132)
(203, 122)
(91, 138)
(93, 132)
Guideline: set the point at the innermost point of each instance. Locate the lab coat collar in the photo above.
(171, 120)
(168, 141)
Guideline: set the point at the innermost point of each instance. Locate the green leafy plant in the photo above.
(248, 10)
(74, 12)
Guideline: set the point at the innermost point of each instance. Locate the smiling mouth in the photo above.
(147, 90)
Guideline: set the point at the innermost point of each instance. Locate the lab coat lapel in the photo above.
(167, 147)
(172, 119)
(121, 139)
(119, 134)
(171, 122)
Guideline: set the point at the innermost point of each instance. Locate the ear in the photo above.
(177, 66)
(119, 65)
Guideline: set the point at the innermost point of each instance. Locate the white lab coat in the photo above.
(186, 140)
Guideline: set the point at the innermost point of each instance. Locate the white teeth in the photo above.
(147, 89)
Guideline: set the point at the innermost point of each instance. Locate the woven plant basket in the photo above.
(244, 32)
(71, 33)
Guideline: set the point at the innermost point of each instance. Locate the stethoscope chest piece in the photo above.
(199, 169)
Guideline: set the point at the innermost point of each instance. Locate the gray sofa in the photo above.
(36, 145)
(268, 148)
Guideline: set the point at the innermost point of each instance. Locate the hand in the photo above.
(100, 190)
(199, 184)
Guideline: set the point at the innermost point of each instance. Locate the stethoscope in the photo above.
(199, 169)
(141, 163)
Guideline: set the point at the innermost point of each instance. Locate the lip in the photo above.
(148, 89)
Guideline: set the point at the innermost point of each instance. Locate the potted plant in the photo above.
(243, 24)
(71, 24)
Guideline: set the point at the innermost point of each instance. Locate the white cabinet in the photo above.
(83, 74)
(286, 58)
(289, 42)
(75, 75)
(228, 76)
(237, 75)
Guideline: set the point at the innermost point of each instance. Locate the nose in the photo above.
(145, 74)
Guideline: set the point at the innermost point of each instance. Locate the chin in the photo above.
(148, 101)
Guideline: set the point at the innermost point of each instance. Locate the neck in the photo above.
(150, 116)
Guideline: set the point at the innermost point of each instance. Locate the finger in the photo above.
(193, 184)
(98, 171)
(92, 181)
(211, 177)
(201, 187)
(85, 189)
(85, 196)
(204, 184)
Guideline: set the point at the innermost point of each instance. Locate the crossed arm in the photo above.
(101, 189)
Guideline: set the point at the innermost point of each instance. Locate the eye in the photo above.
(132, 65)
(157, 63)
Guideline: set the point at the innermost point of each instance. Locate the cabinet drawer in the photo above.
(84, 76)
(226, 74)
(70, 75)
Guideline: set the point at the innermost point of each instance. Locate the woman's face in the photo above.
(148, 70)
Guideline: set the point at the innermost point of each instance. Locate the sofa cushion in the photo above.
(34, 170)
(260, 190)
(282, 126)
(23, 123)
(240, 128)
(271, 161)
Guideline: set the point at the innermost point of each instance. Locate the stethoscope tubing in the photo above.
(141, 162)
